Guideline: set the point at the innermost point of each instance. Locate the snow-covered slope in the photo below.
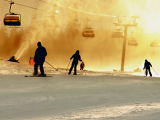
(8, 67)
(68, 97)
(14, 68)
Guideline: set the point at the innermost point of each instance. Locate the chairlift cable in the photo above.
(47, 3)
(25, 6)
(92, 13)
(73, 9)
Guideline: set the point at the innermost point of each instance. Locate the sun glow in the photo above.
(148, 11)
(57, 11)
(59, 26)
(152, 23)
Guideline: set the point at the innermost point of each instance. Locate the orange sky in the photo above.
(96, 11)
(146, 9)
(25, 12)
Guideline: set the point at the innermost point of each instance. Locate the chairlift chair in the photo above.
(88, 32)
(132, 42)
(12, 19)
(155, 43)
(117, 34)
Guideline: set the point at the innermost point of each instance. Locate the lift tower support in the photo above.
(134, 24)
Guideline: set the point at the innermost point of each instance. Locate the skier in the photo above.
(147, 66)
(39, 59)
(75, 57)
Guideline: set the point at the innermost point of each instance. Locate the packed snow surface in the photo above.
(63, 97)
(87, 96)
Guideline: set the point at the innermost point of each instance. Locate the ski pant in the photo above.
(36, 68)
(148, 70)
(74, 64)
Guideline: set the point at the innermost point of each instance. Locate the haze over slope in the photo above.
(59, 27)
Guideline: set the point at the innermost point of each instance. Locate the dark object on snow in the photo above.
(39, 59)
(147, 66)
(12, 59)
(37, 76)
(75, 57)
(82, 66)
(31, 61)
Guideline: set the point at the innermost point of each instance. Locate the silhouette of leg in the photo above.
(35, 69)
(146, 72)
(75, 69)
(150, 72)
(70, 70)
(41, 69)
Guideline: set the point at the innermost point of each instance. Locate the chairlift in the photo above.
(132, 42)
(88, 32)
(155, 43)
(12, 19)
(117, 34)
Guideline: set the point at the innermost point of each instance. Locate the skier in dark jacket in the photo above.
(39, 59)
(147, 66)
(75, 57)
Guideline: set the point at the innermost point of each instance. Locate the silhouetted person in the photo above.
(12, 59)
(75, 57)
(147, 66)
(82, 66)
(39, 59)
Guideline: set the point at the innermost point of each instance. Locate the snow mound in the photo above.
(8, 67)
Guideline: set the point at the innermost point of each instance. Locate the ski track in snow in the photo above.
(88, 96)
(99, 113)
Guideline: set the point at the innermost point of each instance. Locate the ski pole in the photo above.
(68, 65)
(51, 66)
(155, 71)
